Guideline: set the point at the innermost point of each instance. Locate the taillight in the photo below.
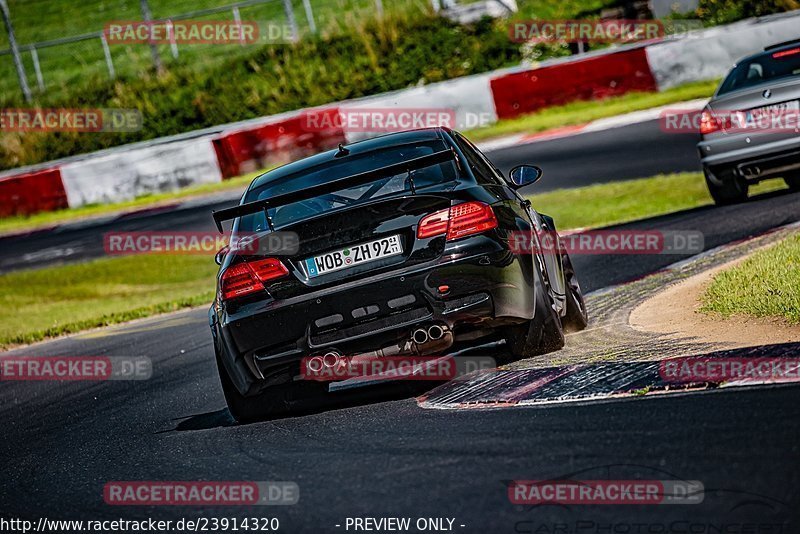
(708, 123)
(246, 278)
(784, 53)
(458, 221)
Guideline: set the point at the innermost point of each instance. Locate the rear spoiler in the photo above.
(331, 187)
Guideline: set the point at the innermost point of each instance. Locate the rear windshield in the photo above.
(768, 67)
(434, 176)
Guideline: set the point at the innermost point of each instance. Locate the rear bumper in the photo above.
(488, 286)
(754, 162)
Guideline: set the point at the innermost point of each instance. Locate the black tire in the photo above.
(541, 335)
(793, 181)
(269, 403)
(576, 317)
(732, 190)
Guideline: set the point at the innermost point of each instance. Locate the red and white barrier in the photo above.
(249, 149)
(598, 76)
(32, 192)
(125, 172)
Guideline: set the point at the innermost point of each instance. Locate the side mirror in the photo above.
(522, 175)
(219, 257)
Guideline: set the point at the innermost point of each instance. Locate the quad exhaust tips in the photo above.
(420, 336)
(750, 171)
(329, 359)
(434, 332)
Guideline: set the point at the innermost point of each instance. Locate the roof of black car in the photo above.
(360, 147)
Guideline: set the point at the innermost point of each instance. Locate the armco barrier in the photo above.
(469, 97)
(598, 76)
(710, 53)
(116, 177)
(250, 149)
(32, 192)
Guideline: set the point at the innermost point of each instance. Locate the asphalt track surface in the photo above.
(377, 454)
(623, 153)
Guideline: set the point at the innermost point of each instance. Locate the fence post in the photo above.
(436, 6)
(12, 41)
(237, 18)
(153, 47)
(37, 68)
(287, 8)
(310, 16)
(173, 42)
(107, 53)
(379, 8)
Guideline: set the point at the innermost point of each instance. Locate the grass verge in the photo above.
(99, 293)
(767, 284)
(114, 290)
(620, 202)
(49, 218)
(590, 110)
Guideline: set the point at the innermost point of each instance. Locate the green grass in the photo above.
(63, 299)
(767, 284)
(619, 202)
(49, 218)
(587, 111)
(58, 300)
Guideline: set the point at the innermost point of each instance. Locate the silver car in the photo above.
(750, 128)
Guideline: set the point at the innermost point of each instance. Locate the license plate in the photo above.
(776, 112)
(336, 260)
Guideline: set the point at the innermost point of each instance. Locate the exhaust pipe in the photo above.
(420, 336)
(751, 171)
(435, 332)
(330, 359)
(315, 364)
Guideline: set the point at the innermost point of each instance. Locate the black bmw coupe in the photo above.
(405, 246)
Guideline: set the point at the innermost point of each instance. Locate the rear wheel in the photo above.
(244, 409)
(733, 189)
(576, 317)
(793, 181)
(272, 402)
(541, 335)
